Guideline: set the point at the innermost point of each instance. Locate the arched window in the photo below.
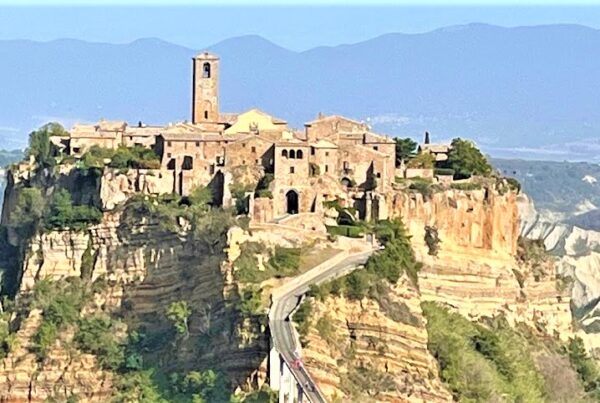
(292, 154)
(299, 154)
(205, 114)
(284, 153)
(206, 70)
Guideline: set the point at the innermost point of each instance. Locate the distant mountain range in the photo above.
(525, 92)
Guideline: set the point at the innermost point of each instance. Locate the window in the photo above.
(346, 165)
(206, 70)
(378, 174)
(253, 149)
(130, 138)
(205, 114)
(327, 153)
(376, 148)
(168, 155)
(312, 151)
(284, 153)
(326, 168)
(292, 154)
(299, 154)
(292, 170)
(185, 145)
(169, 143)
(244, 145)
(197, 144)
(256, 162)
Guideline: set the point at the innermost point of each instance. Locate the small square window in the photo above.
(376, 148)
(169, 143)
(256, 162)
(253, 149)
(244, 145)
(197, 144)
(291, 170)
(168, 155)
(327, 153)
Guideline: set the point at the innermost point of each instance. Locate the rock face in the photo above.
(390, 343)
(578, 258)
(144, 268)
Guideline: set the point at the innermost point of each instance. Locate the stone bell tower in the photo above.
(205, 91)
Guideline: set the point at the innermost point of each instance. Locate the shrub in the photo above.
(264, 193)
(179, 314)
(513, 184)
(302, 317)
(63, 214)
(586, 367)
(28, 211)
(432, 240)
(423, 187)
(466, 186)
(422, 161)
(250, 303)
(326, 329)
(314, 169)
(265, 182)
(443, 171)
(97, 335)
(285, 261)
(350, 231)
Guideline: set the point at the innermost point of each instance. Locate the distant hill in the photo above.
(527, 92)
(565, 187)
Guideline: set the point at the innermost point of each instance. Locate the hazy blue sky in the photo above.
(294, 27)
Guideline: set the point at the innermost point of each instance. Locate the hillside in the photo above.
(507, 88)
(566, 188)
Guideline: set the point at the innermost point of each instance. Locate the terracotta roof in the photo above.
(435, 148)
(371, 138)
(333, 117)
(112, 125)
(323, 144)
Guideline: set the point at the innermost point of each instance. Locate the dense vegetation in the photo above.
(406, 148)
(136, 157)
(383, 267)
(492, 361)
(40, 146)
(281, 262)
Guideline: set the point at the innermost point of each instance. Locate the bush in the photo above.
(136, 157)
(466, 186)
(432, 240)
(314, 169)
(63, 214)
(302, 317)
(443, 171)
(423, 187)
(179, 314)
(60, 303)
(285, 261)
(586, 367)
(350, 231)
(513, 184)
(250, 303)
(28, 211)
(97, 335)
(424, 160)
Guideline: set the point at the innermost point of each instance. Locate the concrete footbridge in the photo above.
(287, 373)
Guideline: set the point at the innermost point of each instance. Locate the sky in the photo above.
(294, 27)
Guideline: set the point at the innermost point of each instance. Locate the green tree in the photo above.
(405, 149)
(28, 210)
(40, 146)
(179, 314)
(467, 160)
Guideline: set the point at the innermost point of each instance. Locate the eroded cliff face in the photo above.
(476, 270)
(136, 268)
(387, 341)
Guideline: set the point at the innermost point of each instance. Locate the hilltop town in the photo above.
(331, 158)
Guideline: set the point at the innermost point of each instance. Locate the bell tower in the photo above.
(205, 91)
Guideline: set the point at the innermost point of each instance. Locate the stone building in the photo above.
(333, 157)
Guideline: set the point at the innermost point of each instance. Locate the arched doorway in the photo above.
(292, 202)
